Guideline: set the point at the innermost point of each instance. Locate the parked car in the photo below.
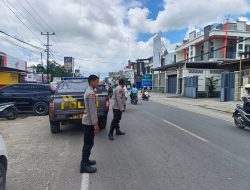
(67, 104)
(27, 97)
(3, 164)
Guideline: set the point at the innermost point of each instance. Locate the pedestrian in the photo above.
(90, 125)
(118, 107)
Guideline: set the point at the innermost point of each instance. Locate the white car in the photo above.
(3, 164)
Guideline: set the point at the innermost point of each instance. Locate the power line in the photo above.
(33, 17)
(9, 7)
(37, 13)
(11, 42)
(22, 41)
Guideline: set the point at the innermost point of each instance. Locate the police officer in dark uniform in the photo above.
(118, 107)
(90, 125)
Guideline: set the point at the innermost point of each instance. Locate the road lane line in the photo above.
(85, 181)
(186, 131)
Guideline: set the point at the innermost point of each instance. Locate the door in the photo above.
(172, 82)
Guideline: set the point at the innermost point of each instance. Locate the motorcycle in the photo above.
(134, 99)
(241, 118)
(8, 111)
(145, 96)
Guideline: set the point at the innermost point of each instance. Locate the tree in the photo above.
(54, 69)
(212, 85)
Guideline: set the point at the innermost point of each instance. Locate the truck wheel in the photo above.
(2, 176)
(102, 122)
(54, 126)
(40, 108)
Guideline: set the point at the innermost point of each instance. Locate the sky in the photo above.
(102, 35)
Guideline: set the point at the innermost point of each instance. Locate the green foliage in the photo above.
(54, 69)
(212, 84)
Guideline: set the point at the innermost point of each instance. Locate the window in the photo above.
(240, 46)
(240, 39)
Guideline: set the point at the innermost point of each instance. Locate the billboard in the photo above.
(147, 80)
(130, 75)
(157, 51)
(15, 63)
(68, 64)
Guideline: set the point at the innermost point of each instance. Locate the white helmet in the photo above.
(247, 86)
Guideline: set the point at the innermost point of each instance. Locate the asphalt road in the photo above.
(165, 148)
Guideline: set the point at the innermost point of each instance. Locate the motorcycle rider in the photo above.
(134, 91)
(246, 98)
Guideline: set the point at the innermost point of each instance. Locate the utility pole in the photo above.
(42, 65)
(47, 50)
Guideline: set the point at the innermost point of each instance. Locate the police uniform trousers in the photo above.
(88, 143)
(116, 121)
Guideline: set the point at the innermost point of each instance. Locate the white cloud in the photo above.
(103, 35)
(183, 13)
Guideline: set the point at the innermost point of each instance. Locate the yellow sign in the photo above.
(72, 105)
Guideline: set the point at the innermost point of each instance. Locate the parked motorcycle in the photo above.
(134, 99)
(241, 118)
(145, 96)
(8, 111)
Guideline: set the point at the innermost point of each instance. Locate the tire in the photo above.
(12, 113)
(102, 121)
(238, 125)
(55, 127)
(2, 176)
(40, 108)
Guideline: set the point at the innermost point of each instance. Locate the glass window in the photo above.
(72, 87)
(240, 46)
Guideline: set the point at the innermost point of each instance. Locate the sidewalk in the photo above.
(206, 103)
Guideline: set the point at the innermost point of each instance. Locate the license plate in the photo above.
(77, 116)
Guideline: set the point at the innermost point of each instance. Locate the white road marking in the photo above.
(186, 131)
(85, 182)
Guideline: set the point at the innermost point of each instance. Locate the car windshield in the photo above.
(72, 87)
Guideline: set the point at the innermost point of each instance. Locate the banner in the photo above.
(157, 51)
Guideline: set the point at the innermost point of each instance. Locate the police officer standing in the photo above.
(90, 125)
(118, 107)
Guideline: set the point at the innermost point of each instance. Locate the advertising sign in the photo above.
(157, 51)
(68, 64)
(147, 80)
(130, 75)
(15, 63)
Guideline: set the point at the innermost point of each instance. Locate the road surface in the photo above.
(165, 148)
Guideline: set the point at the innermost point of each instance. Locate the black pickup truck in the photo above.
(67, 104)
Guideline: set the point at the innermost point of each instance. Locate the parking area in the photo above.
(36, 157)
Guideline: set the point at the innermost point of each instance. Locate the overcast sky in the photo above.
(102, 35)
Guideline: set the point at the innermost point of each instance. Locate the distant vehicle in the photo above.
(67, 104)
(27, 97)
(8, 111)
(241, 117)
(134, 99)
(3, 164)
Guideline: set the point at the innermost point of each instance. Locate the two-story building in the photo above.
(205, 54)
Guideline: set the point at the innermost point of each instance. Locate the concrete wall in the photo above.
(203, 74)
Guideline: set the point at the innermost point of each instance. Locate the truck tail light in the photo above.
(107, 104)
(51, 106)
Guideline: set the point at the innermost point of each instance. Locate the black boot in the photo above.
(119, 132)
(111, 137)
(91, 162)
(87, 169)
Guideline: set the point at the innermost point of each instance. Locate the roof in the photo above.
(11, 69)
(232, 65)
(170, 66)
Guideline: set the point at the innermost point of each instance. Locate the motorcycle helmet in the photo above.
(247, 88)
